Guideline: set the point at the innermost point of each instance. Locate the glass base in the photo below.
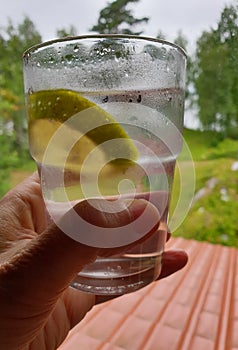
(118, 276)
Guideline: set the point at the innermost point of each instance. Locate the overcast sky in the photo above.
(168, 16)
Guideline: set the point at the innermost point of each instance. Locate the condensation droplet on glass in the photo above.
(133, 118)
(148, 134)
(69, 61)
(169, 98)
(105, 99)
(30, 90)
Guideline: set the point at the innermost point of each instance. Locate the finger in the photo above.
(147, 223)
(173, 260)
(42, 270)
(22, 208)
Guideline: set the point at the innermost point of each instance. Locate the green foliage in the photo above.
(212, 216)
(181, 40)
(161, 35)
(215, 73)
(13, 139)
(64, 32)
(206, 145)
(9, 156)
(7, 159)
(13, 41)
(11, 161)
(116, 18)
(200, 142)
(4, 183)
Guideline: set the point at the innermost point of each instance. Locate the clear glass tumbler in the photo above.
(105, 119)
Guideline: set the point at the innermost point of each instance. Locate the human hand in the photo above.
(37, 263)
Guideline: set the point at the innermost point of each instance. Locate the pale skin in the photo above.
(37, 263)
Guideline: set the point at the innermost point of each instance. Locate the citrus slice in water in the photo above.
(48, 109)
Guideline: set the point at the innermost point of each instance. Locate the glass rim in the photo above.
(69, 39)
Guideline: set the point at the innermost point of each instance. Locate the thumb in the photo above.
(47, 264)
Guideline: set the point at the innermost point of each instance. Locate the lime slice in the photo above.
(48, 109)
(41, 132)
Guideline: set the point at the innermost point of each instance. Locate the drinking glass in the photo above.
(105, 120)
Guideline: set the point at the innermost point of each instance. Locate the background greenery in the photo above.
(212, 215)
(212, 90)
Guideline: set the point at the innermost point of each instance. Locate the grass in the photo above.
(11, 176)
(212, 217)
(208, 145)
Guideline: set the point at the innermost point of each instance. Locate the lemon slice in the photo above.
(48, 109)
